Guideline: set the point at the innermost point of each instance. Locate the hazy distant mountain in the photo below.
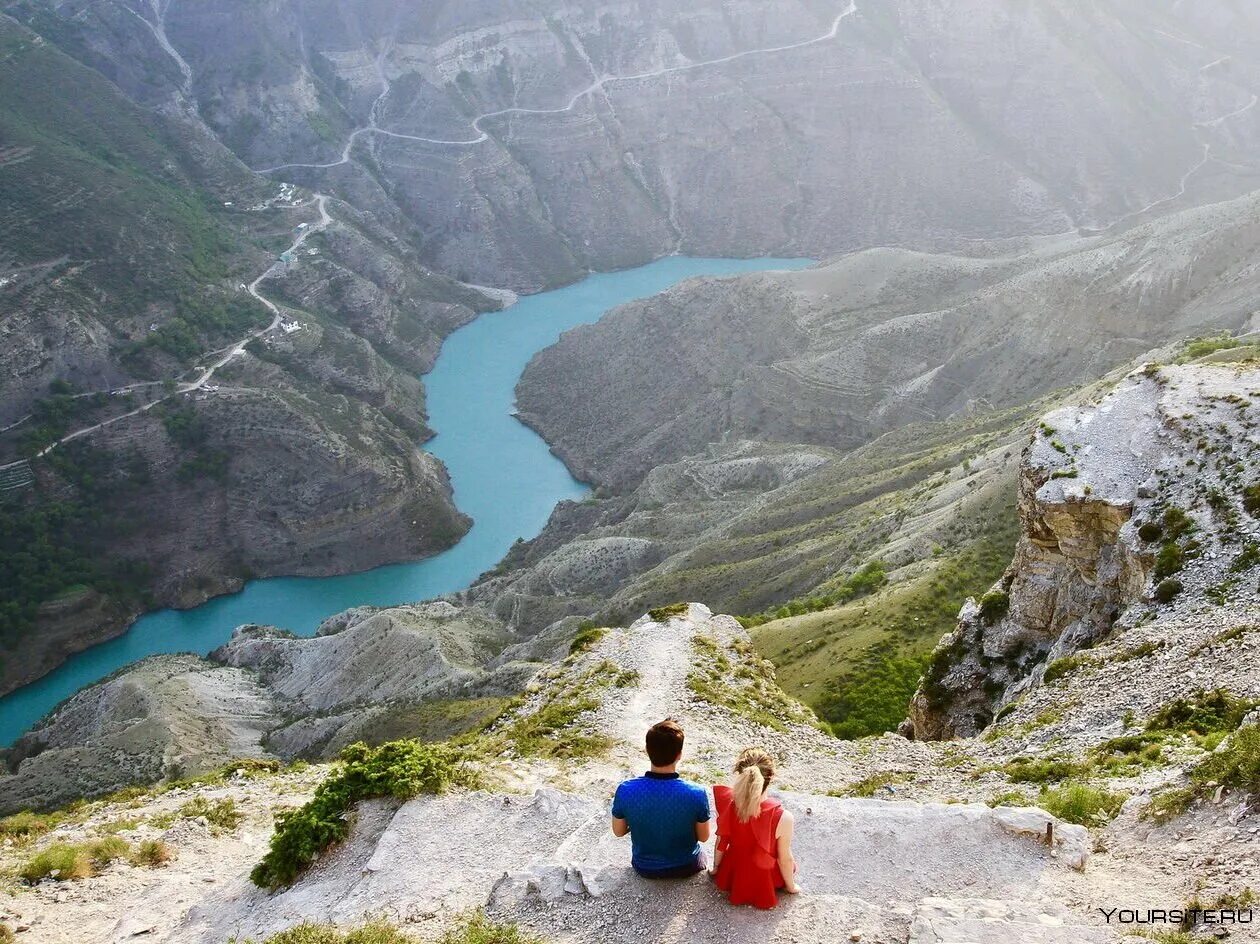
(607, 140)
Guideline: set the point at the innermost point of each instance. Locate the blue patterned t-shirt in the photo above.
(662, 810)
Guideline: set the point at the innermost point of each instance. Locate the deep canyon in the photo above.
(998, 227)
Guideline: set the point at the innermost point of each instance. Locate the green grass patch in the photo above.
(471, 928)
(1224, 637)
(1251, 500)
(857, 665)
(863, 582)
(1043, 769)
(1129, 754)
(476, 928)
(1061, 668)
(1247, 558)
(994, 605)
(1202, 347)
(1177, 524)
(21, 828)
(588, 635)
(550, 729)
(374, 932)
(1140, 651)
(1234, 761)
(63, 861)
(739, 680)
(876, 699)
(1082, 803)
(430, 721)
(221, 815)
(663, 614)
(151, 853)
(869, 786)
(1168, 590)
(1203, 714)
(1167, 937)
(1170, 560)
(1015, 798)
(70, 862)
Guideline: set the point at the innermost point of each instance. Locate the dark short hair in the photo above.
(665, 742)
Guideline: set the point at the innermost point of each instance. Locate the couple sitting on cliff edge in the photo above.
(668, 818)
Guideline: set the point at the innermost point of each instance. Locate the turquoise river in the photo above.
(503, 475)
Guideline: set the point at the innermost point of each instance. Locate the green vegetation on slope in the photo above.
(887, 501)
(737, 679)
(71, 862)
(472, 928)
(104, 226)
(858, 664)
(400, 769)
(52, 537)
(429, 721)
(866, 580)
(98, 191)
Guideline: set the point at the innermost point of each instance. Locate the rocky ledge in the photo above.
(1142, 502)
(266, 694)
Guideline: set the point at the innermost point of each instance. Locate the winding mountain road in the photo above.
(598, 85)
(220, 357)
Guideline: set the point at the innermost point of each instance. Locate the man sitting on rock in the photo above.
(667, 817)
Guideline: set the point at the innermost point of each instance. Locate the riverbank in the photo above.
(504, 476)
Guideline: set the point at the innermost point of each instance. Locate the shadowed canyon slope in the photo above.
(504, 145)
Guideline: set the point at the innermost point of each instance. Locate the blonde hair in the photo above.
(753, 772)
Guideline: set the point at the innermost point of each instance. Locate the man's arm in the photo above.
(704, 818)
(619, 825)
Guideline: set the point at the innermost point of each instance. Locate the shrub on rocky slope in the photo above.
(400, 770)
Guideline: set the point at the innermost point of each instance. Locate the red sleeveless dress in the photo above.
(749, 871)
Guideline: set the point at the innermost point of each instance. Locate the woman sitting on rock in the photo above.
(754, 836)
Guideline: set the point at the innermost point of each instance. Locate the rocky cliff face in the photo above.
(1129, 506)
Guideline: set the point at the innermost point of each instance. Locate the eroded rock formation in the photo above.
(1131, 504)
